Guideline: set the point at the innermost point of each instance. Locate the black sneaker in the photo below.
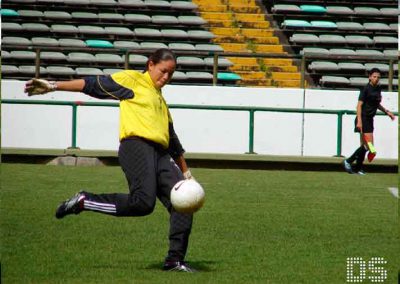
(73, 205)
(179, 266)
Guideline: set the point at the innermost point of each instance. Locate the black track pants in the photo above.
(151, 173)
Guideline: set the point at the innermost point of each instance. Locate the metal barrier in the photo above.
(251, 110)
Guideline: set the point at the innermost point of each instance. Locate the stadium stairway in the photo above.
(241, 26)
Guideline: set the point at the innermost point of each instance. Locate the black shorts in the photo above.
(367, 125)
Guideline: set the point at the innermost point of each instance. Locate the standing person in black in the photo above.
(369, 101)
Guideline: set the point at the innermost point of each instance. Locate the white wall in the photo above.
(202, 130)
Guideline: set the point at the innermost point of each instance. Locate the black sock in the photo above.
(355, 155)
(360, 159)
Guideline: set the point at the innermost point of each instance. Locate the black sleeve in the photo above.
(104, 87)
(363, 95)
(175, 148)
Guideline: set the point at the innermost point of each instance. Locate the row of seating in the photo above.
(84, 71)
(334, 10)
(352, 81)
(108, 58)
(389, 53)
(151, 4)
(349, 66)
(339, 39)
(339, 25)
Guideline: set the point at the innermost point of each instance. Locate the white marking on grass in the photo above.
(394, 191)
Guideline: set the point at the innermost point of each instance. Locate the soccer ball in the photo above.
(187, 196)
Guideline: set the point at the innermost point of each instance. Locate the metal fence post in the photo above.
(251, 132)
(339, 134)
(74, 122)
(37, 64)
(215, 69)
(391, 75)
(303, 72)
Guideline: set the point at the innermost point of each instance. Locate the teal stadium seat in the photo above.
(208, 47)
(296, 23)
(228, 76)
(9, 13)
(391, 53)
(5, 54)
(312, 9)
(358, 81)
(99, 43)
(323, 24)
(381, 66)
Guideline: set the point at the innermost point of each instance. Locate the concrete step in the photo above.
(257, 32)
(245, 9)
(205, 7)
(253, 24)
(246, 17)
(242, 2)
(243, 60)
(238, 67)
(265, 48)
(220, 24)
(285, 76)
(230, 39)
(288, 69)
(216, 16)
(225, 31)
(209, 2)
(251, 75)
(287, 83)
(234, 47)
(278, 61)
(265, 40)
(255, 82)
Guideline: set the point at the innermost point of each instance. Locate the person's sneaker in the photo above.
(361, 173)
(73, 205)
(179, 266)
(347, 167)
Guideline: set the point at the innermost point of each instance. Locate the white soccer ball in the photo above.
(187, 196)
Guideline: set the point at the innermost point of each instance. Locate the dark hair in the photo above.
(160, 55)
(374, 70)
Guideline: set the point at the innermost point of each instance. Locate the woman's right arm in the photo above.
(359, 119)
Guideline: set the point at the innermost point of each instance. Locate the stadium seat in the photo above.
(222, 62)
(145, 32)
(199, 75)
(178, 75)
(137, 18)
(83, 71)
(283, 8)
(332, 39)
(191, 20)
(35, 27)
(323, 24)
(304, 38)
(351, 66)
(159, 4)
(5, 54)
(339, 10)
(84, 15)
(99, 43)
(52, 55)
(385, 40)
(208, 47)
(314, 51)
(57, 15)
(296, 23)
(64, 29)
(76, 2)
(153, 45)
(136, 59)
(11, 27)
(358, 81)
(197, 34)
(12, 40)
(119, 31)
(131, 3)
(228, 76)
(81, 57)
(181, 46)
(43, 41)
(60, 70)
(9, 13)
(333, 80)
(174, 33)
(381, 66)
(376, 27)
(167, 20)
(110, 71)
(23, 54)
(357, 39)
(183, 5)
(31, 13)
(369, 52)
(94, 30)
(385, 81)
(126, 44)
(189, 61)
(312, 9)
(391, 53)
(28, 69)
(67, 42)
(389, 11)
(108, 58)
(22, 1)
(323, 65)
(367, 11)
(342, 51)
(103, 2)
(349, 26)
(111, 16)
(9, 69)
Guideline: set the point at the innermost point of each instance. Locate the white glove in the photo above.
(39, 87)
(188, 175)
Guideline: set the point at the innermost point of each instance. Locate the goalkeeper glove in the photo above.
(39, 87)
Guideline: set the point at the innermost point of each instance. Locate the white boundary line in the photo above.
(394, 191)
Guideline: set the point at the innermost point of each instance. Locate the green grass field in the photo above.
(256, 227)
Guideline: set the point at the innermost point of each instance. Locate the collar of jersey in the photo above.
(149, 80)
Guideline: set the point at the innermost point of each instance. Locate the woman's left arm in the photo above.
(391, 115)
(176, 151)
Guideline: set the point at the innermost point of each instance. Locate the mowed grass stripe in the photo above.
(256, 227)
